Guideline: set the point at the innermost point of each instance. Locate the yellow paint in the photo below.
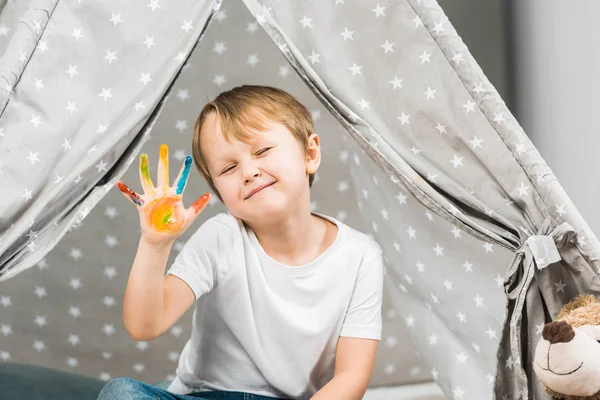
(164, 159)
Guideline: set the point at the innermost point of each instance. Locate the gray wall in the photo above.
(482, 26)
(557, 64)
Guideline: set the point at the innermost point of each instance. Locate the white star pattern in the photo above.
(153, 5)
(110, 272)
(35, 120)
(396, 83)
(33, 157)
(108, 301)
(387, 47)
(38, 345)
(27, 194)
(356, 69)
(71, 107)
(115, 19)
(430, 93)
(110, 56)
(106, 94)
(187, 26)
(77, 34)
(40, 291)
(149, 42)
(347, 35)
(306, 22)
(39, 85)
(40, 320)
(74, 311)
(4, 30)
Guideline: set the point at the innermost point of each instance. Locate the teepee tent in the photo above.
(482, 246)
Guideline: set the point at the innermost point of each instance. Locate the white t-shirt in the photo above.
(266, 328)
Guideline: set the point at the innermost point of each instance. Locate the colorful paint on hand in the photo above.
(163, 212)
(201, 202)
(146, 181)
(164, 215)
(133, 195)
(164, 161)
(184, 175)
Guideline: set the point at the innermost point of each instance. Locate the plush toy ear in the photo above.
(591, 330)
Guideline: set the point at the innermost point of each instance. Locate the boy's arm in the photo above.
(354, 363)
(359, 339)
(153, 302)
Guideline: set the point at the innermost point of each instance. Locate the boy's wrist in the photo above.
(166, 246)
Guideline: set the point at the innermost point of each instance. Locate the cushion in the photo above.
(22, 381)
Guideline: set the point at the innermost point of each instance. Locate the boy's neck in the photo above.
(296, 240)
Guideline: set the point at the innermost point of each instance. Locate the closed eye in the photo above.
(227, 169)
(258, 153)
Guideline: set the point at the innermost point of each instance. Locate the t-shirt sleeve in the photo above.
(203, 260)
(363, 317)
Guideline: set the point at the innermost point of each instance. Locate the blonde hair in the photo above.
(251, 107)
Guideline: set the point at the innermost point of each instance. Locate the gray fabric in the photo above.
(89, 102)
(10, 11)
(434, 167)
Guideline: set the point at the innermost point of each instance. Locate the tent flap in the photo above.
(85, 118)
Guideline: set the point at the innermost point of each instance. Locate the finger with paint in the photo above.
(183, 175)
(162, 178)
(145, 175)
(201, 203)
(130, 194)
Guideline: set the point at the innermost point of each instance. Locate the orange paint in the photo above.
(164, 215)
(201, 202)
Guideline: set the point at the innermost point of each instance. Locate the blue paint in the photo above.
(184, 175)
(136, 201)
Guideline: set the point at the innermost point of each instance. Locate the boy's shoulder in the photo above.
(357, 240)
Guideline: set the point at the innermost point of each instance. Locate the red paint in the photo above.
(201, 203)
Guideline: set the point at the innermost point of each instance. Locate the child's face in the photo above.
(266, 177)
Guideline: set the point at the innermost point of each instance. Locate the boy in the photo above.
(287, 302)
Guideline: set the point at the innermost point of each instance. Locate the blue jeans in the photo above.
(131, 389)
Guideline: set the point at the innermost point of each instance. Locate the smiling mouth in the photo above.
(258, 190)
(563, 373)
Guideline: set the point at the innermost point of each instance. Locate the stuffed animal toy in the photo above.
(567, 357)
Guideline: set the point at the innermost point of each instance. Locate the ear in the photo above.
(313, 154)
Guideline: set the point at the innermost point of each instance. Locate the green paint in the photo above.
(144, 169)
(167, 218)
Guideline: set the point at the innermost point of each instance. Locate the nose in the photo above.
(558, 332)
(251, 173)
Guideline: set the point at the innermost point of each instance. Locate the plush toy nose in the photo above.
(558, 332)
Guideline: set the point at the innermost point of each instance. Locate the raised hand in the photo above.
(163, 217)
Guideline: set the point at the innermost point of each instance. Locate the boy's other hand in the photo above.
(163, 218)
